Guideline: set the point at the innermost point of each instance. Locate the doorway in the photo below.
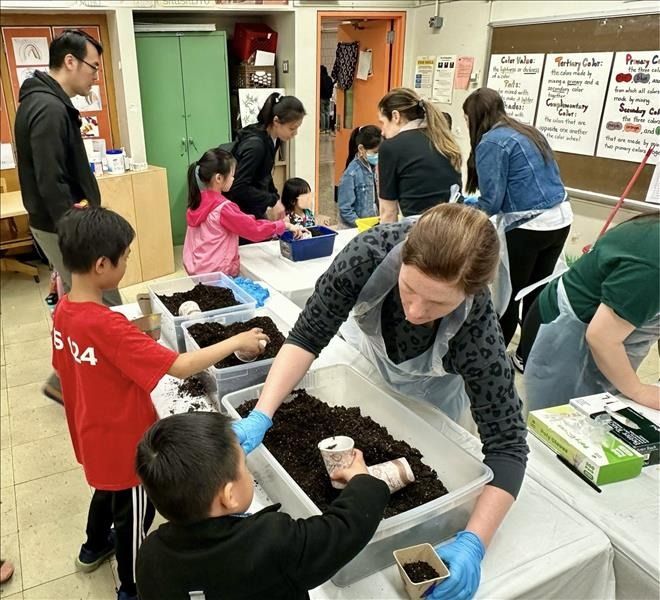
(381, 33)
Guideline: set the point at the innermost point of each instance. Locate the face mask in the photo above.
(372, 159)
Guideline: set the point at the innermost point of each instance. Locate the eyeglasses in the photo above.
(91, 66)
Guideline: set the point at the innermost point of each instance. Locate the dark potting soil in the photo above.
(208, 297)
(299, 425)
(207, 334)
(317, 232)
(420, 571)
(192, 386)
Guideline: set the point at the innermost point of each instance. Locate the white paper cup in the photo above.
(247, 357)
(188, 308)
(396, 473)
(337, 453)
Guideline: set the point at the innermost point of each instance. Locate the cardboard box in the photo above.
(572, 435)
(625, 422)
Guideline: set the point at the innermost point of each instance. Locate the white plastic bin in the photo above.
(171, 324)
(463, 474)
(241, 376)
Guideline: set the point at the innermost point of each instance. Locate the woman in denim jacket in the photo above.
(515, 171)
(357, 186)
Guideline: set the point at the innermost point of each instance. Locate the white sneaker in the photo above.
(517, 362)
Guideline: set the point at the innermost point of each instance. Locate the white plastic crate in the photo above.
(241, 376)
(463, 474)
(171, 324)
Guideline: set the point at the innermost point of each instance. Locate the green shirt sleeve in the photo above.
(631, 291)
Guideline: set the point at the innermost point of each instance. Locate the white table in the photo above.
(544, 549)
(295, 280)
(628, 512)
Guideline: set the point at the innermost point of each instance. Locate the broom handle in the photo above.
(625, 192)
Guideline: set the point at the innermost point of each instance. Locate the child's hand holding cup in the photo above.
(250, 344)
(339, 457)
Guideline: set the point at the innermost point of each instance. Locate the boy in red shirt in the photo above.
(108, 369)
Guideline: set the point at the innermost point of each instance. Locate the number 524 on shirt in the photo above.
(87, 356)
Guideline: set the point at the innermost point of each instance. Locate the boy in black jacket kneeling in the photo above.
(195, 473)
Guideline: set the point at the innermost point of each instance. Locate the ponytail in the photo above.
(285, 108)
(201, 172)
(368, 136)
(410, 106)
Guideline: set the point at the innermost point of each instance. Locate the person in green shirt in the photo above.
(598, 321)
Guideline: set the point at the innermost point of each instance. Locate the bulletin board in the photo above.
(617, 34)
(25, 41)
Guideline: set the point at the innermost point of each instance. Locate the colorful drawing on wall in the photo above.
(24, 73)
(251, 100)
(89, 103)
(89, 126)
(30, 50)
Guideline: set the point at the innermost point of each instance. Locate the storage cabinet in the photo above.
(185, 105)
(141, 198)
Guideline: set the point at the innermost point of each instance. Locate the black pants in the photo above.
(132, 514)
(532, 256)
(529, 330)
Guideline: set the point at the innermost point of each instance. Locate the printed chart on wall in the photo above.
(571, 100)
(631, 118)
(6, 149)
(517, 78)
(424, 69)
(443, 79)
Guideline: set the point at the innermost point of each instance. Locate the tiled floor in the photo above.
(44, 496)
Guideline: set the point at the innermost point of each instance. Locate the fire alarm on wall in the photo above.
(436, 22)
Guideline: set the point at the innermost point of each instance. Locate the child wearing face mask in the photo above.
(215, 222)
(357, 187)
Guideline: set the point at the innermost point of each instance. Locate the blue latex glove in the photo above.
(471, 200)
(250, 431)
(463, 558)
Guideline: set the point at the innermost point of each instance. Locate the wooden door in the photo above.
(164, 118)
(206, 91)
(366, 93)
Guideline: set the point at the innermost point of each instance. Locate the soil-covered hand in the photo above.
(358, 467)
(463, 558)
(250, 431)
(251, 342)
(298, 231)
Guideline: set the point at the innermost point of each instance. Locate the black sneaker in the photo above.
(517, 362)
(89, 561)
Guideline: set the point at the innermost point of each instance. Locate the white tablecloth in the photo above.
(296, 280)
(628, 512)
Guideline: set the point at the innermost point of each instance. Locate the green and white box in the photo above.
(599, 456)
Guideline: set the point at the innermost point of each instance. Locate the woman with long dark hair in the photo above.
(513, 167)
(419, 161)
(255, 150)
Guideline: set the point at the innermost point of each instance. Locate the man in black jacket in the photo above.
(53, 168)
(194, 471)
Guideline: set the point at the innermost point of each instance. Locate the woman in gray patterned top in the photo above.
(413, 298)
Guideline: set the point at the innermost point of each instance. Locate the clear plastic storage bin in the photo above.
(241, 376)
(463, 474)
(171, 324)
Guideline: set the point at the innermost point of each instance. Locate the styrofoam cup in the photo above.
(426, 553)
(396, 473)
(337, 453)
(189, 308)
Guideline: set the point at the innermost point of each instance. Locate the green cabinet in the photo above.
(185, 106)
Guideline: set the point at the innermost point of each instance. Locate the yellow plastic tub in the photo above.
(366, 223)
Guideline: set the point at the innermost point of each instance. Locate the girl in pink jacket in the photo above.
(215, 223)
